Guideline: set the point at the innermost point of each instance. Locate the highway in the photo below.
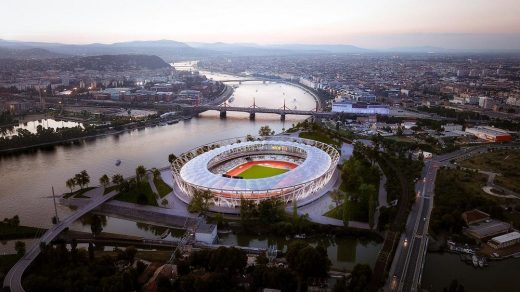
(406, 269)
(13, 279)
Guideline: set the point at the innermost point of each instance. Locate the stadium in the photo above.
(256, 168)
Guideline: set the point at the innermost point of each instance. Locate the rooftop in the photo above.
(474, 215)
(487, 229)
(506, 237)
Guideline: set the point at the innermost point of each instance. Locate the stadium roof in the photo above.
(316, 164)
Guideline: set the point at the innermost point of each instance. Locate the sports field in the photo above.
(259, 171)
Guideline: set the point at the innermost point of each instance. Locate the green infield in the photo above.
(259, 171)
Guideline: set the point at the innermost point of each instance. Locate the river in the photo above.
(441, 268)
(26, 179)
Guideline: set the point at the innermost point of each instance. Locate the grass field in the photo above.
(504, 162)
(162, 187)
(259, 171)
(141, 194)
(318, 136)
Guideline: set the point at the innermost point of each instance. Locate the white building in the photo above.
(505, 240)
(206, 233)
(515, 101)
(360, 108)
(486, 102)
(452, 127)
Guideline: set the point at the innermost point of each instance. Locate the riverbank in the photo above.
(225, 94)
(9, 232)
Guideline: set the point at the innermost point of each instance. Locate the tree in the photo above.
(71, 184)
(82, 179)
(265, 131)
(336, 197)
(156, 173)
(140, 172)
(171, 158)
(293, 250)
(19, 246)
(340, 286)
(307, 261)
(200, 201)
(247, 211)
(96, 225)
(346, 210)
(371, 209)
(367, 192)
(399, 131)
(78, 180)
(360, 278)
(271, 210)
(85, 178)
(130, 253)
(104, 180)
(118, 180)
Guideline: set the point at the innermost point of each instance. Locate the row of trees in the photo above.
(225, 269)
(81, 179)
(60, 269)
(25, 138)
(358, 192)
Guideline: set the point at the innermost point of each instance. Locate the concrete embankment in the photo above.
(147, 214)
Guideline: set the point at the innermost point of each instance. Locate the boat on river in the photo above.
(118, 162)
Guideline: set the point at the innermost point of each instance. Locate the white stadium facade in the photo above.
(204, 169)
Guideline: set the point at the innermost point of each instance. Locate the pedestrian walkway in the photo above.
(382, 198)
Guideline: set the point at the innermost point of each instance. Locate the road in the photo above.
(13, 278)
(406, 270)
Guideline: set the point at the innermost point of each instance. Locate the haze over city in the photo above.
(277, 145)
(374, 24)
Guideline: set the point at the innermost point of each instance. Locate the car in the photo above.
(405, 242)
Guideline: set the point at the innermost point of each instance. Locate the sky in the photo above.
(477, 24)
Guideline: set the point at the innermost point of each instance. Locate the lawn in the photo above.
(162, 187)
(318, 136)
(259, 171)
(504, 162)
(358, 212)
(141, 194)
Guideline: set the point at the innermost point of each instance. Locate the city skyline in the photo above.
(479, 25)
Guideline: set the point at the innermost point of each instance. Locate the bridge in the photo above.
(254, 109)
(245, 80)
(13, 279)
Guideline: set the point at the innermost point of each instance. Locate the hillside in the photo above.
(100, 63)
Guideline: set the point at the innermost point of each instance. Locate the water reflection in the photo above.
(32, 126)
(344, 252)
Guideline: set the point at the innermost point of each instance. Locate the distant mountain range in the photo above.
(164, 48)
(171, 50)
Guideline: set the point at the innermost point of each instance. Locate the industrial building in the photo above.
(490, 134)
(505, 240)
